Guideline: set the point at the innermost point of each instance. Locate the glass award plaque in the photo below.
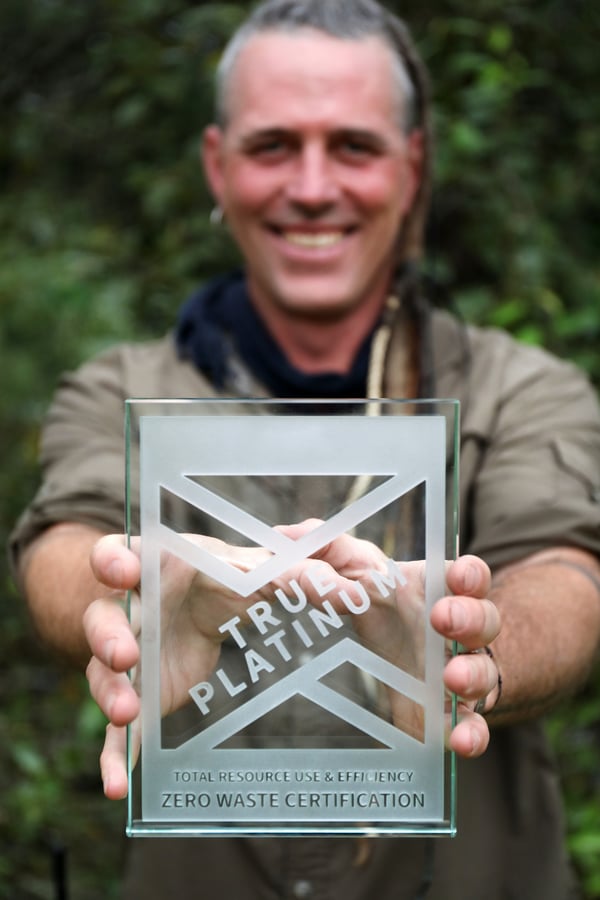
(290, 680)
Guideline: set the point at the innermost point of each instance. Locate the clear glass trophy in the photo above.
(290, 680)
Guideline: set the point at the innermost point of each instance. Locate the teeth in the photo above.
(314, 240)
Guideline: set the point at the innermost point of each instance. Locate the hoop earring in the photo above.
(216, 216)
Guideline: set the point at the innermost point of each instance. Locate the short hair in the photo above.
(350, 20)
(344, 19)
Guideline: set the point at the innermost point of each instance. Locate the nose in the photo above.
(312, 184)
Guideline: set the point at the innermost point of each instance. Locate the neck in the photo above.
(314, 345)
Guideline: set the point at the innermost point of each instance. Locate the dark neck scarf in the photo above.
(220, 317)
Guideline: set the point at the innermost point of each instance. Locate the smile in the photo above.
(322, 239)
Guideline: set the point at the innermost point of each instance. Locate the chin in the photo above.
(322, 303)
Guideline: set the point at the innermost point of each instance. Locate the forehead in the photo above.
(280, 78)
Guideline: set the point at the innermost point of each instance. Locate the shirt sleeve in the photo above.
(531, 453)
(82, 455)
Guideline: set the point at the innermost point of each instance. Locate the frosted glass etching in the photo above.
(311, 540)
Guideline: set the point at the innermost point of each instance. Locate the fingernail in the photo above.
(471, 578)
(458, 617)
(114, 572)
(109, 649)
(475, 741)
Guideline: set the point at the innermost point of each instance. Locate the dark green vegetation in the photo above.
(104, 229)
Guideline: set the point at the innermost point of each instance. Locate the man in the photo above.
(320, 165)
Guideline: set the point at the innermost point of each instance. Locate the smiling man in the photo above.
(319, 162)
(315, 168)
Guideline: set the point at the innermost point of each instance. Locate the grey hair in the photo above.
(344, 19)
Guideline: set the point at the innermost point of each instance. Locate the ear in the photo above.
(415, 150)
(211, 153)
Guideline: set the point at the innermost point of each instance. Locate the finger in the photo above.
(113, 692)
(113, 763)
(471, 675)
(114, 564)
(299, 529)
(109, 634)
(469, 575)
(345, 553)
(470, 736)
(473, 623)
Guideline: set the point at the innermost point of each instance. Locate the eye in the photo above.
(357, 148)
(268, 148)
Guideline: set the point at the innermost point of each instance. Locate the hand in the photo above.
(467, 618)
(474, 621)
(193, 608)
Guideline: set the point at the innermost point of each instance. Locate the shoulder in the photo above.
(89, 402)
(530, 443)
(497, 377)
(138, 369)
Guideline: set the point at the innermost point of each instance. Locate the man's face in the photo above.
(313, 170)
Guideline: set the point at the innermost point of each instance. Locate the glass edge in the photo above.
(453, 773)
(128, 749)
(139, 828)
(290, 401)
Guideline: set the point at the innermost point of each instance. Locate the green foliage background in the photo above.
(104, 229)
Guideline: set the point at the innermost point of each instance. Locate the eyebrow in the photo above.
(262, 134)
(365, 135)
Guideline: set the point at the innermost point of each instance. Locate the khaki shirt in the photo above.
(529, 479)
